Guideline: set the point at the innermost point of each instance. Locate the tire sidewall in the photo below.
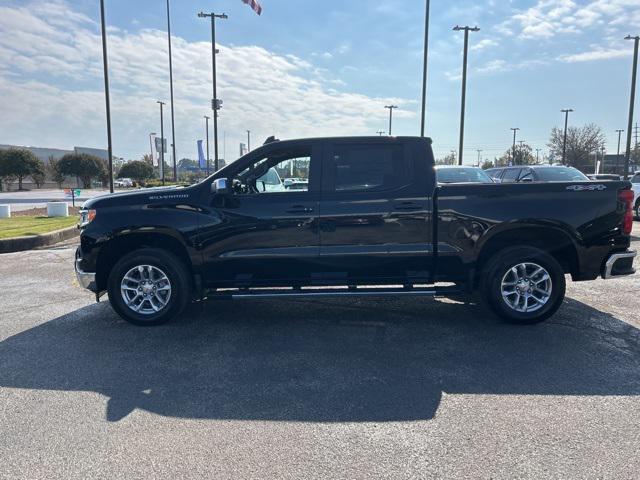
(170, 265)
(498, 267)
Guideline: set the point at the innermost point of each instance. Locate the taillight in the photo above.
(626, 197)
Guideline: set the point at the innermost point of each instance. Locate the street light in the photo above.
(173, 119)
(248, 140)
(206, 118)
(215, 103)
(513, 150)
(479, 155)
(162, 104)
(566, 125)
(464, 83)
(106, 94)
(390, 107)
(632, 100)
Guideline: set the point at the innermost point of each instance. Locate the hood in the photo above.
(140, 197)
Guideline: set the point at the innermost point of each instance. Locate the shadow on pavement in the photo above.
(321, 360)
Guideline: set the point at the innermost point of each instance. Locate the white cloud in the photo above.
(593, 55)
(51, 86)
(484, 44)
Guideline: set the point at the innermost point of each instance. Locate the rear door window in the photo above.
(511, 175)
(367, 168)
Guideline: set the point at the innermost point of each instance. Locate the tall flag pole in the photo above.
(254, 5)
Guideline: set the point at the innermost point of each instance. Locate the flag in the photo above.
(154, 153)
(254, 5)
(201, 159)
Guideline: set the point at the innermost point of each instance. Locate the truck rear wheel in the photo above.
(149, 287)
(523, 285)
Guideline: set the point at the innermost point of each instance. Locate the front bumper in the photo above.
(619, 265)
(85, 279)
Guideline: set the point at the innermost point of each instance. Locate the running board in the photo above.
(245, 293)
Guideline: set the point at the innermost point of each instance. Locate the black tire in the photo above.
(174, 269)
(501, 264)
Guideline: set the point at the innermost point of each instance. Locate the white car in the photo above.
(635, 185)
(271, 181)
(123, 183)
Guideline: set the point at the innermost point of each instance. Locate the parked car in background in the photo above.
(602, 176)
(635, 185)
(461, 174)
(538, 173)
(123, 183)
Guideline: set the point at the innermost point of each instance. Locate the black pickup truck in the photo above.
(371, 221)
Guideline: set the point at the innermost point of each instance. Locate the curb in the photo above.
(19, 244)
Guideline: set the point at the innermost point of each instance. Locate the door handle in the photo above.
(408, 206)
(300, 209)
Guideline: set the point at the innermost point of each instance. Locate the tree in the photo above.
(20, 163)
(5, 176)
(188, 164)
(447, 160)
(81, 165)
(139, 170)
(582, 143)
(487, 164)
(523, 156)
(54, 171)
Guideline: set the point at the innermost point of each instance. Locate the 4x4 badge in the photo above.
(582, 188)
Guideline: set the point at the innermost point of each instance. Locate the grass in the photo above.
(24, 226)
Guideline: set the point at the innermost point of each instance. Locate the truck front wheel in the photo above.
(149, 287)
(523, 285)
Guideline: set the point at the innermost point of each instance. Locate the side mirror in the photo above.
(220, 186)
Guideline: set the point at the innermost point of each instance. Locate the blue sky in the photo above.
(315, 68)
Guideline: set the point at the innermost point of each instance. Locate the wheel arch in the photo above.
(123, 244)
(550, 239)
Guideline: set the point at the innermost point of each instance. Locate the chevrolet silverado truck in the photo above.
(371, 221)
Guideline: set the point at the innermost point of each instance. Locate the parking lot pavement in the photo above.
(313, 389)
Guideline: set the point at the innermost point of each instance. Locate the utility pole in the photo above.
(390, 107)
(215, 103)
(424, 70)
(618, 156)
(173, 119)
(464, 83)
(162, 104)
(513, 150)
(381, 132)
(566, 126)
(248, 140)
(106, 94)
(206, 118)
(479, 155)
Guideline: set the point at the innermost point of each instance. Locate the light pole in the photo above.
(513, 150)
(381, 132)
(106, 94)
(479, 155)
(390, 107)
(632, 100)
(162, 104)
(173, 119)
(618, 156)
(206, 119)
(424, 69)
(215, 103)
(464, 83)
(248, 140)
(566, 126)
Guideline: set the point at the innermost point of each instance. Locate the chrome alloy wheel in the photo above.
(145, 289)
(526, 287)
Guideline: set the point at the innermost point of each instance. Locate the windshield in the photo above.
(560, 174)
(462, 175)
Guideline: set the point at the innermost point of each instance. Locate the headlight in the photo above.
(86, 217)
